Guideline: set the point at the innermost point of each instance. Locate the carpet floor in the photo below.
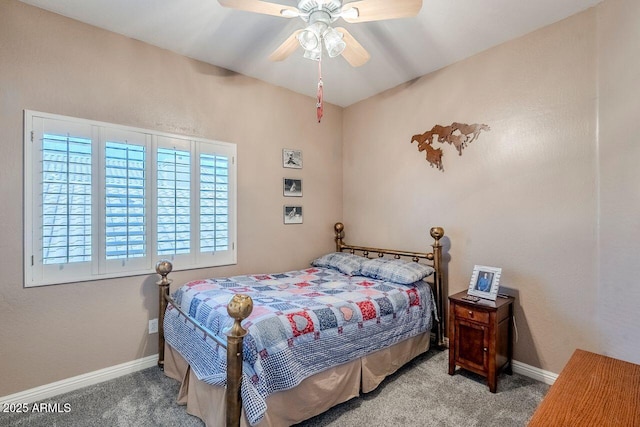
(420, 394)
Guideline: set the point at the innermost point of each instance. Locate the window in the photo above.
(103, 200)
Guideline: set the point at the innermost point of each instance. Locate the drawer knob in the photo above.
(485, 349)
(471, 313)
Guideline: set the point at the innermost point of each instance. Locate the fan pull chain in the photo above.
(319, 104)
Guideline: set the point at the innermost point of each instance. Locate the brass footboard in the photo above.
(239, 308)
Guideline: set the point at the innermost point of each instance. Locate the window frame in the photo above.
(36, 273)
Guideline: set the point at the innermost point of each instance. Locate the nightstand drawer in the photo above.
(463, 312)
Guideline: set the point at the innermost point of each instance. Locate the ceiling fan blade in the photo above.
(286, 48)
(376, 10)
(354, 53)
(263, 7)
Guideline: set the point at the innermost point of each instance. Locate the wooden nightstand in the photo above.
(480, 336)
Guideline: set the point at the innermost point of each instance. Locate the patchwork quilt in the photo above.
(302, 323)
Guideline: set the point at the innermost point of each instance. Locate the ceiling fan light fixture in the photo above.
(336, 50)
(333, 42)
(308, 39)
(311, 37)
(313, 54)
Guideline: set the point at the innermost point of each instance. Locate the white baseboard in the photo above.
(535, 373)
(70, 384)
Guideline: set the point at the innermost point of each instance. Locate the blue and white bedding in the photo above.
(303, 322)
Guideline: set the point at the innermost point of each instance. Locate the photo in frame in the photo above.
(292, 187)
(291, 158)
(292, 214)
(485, 282)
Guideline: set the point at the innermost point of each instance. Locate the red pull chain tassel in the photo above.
(319, 104)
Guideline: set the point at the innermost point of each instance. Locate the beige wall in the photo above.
(550, 194)
(619, 160)
(53, 64)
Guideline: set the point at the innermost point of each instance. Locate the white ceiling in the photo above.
(445, 31)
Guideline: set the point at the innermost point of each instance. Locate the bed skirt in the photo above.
(311, 397)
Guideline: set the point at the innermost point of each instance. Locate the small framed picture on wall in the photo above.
(292, 187)
(484, 282)
(291, 158)
(293, 214)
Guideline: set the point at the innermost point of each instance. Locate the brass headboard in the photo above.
(434, 257)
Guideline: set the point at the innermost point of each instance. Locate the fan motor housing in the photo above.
(309, 7)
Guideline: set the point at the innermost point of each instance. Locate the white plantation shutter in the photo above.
(66, 199)
(125, 201)
(174, 201)
(103, 200)
(214, 203)
(195, 194)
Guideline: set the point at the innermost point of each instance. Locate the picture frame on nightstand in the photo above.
(485, 282)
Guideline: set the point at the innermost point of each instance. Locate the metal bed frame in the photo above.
(240, 307)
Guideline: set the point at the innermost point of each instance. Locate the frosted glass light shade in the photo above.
(333, 42)
(313, 54)
(309, 40)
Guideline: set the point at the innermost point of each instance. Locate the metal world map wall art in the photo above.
(457, 134)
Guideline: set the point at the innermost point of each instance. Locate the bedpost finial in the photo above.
(339, 229)
(437, 232)
(163, 268)
(239, 308)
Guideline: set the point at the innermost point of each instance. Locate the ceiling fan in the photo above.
(319, 15)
